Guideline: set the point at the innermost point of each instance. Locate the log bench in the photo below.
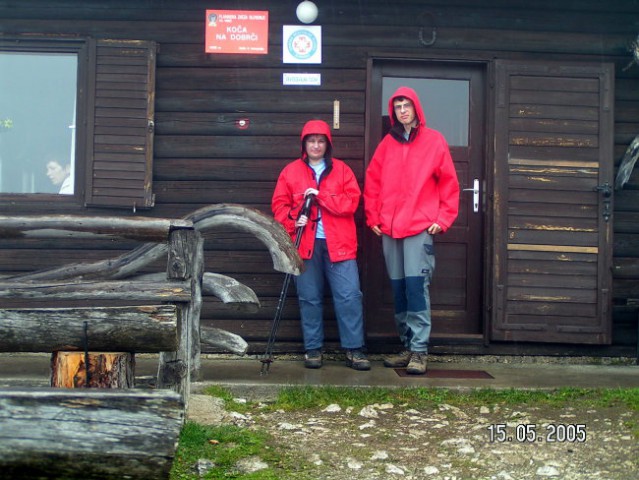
(88, 433)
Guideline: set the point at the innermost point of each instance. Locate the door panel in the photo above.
(553, 168)
(452, 97)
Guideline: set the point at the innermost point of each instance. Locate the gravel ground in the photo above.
(484, 442)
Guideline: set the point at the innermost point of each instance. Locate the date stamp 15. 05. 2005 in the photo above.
(533, 433)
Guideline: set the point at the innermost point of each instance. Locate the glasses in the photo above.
(403, 106)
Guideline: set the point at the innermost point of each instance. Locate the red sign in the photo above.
(236, 31)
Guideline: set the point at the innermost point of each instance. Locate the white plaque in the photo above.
(310, 79)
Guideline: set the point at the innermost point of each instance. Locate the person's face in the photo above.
(56, 173)
(405, 112)
(315, 146)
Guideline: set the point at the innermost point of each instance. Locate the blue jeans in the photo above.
(410, 263)
(343, 279)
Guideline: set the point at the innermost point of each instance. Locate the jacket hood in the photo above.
(409, 93)
(317, 127)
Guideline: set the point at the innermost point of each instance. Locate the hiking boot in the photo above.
(357, 360)
(313, 359)
(417, 364)
(398, 361)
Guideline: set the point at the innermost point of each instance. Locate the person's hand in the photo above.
(311, 191)
(434, 228)
(302, 221)
(376, 230)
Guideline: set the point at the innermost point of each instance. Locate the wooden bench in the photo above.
(117, 433)
(99, 433)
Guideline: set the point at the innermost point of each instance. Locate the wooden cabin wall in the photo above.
(202, 157)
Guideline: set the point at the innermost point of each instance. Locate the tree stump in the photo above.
(106, 370)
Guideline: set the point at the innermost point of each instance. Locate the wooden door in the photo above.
(452, 97)
(553, 202)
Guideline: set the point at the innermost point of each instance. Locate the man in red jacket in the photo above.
(411, 193)
(328, 245)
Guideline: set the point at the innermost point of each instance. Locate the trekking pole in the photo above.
(268, 355)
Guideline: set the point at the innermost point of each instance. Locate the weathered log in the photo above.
(114, 268)
(627, 164)
(222, 339)
(283, 252)
(226, 288)
(106, 370)
(142, 329)
(62, 226)
(158, 291)
(230, 291)
(186, 261)
(88, 434)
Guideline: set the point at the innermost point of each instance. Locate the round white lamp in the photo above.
(306, 12)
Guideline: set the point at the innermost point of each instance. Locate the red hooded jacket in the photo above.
(411, 184)
(338, 197)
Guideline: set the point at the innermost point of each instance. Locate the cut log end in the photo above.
(106, 370)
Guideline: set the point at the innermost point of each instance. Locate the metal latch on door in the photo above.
(475, 191)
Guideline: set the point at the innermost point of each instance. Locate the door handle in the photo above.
(606, 190)
(475, 191)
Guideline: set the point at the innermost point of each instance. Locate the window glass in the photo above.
(446, 105)
(37, 122)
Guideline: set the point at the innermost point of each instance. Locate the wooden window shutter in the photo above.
(120, 111)
(553, 227)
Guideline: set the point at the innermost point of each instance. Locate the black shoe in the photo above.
(313, 359)
(356, 360)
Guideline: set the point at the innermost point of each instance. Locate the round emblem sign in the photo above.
(302, 44)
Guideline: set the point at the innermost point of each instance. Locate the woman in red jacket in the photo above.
(328, 245)
(411, 194)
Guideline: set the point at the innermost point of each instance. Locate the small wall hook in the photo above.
(433, 37)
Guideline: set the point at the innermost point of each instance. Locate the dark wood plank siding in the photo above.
(201, 155)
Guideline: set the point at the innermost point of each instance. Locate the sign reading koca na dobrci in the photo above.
(236, 31)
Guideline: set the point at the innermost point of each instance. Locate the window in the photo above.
(446, 104)
(37, 153)
(76, 120)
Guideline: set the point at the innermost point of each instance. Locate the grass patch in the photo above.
(224, 446)
(299, 398)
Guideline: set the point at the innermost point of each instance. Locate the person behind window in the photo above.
(60, 175)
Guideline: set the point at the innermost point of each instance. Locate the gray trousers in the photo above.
(410, 263)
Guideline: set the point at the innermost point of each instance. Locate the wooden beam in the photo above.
(65, 226)
(185, 262)
(283, 253)
(140, 329)
(223, 340)
(268, 231)
(147, 291)
(88, 433)
(230, 291)
(227, 289)
(120, 267)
